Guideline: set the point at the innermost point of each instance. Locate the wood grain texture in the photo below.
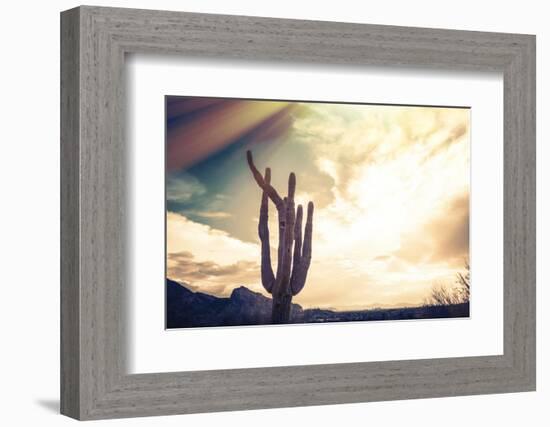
(94, 272)
(70, 292)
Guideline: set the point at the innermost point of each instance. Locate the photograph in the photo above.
(305, 212)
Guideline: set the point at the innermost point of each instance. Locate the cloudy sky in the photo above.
(390, 186)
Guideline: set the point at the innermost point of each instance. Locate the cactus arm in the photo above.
(297, 241)
(268, 278)
(268, 188)
(281, 218)
(288, 233)
(299, 273)
(306, 253)
(282, 292)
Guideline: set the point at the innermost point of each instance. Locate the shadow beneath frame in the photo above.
(52, 405)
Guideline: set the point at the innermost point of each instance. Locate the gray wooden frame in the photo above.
(94, 41)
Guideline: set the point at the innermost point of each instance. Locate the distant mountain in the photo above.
(188, 309)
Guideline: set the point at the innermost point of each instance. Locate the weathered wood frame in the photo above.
(94, 41)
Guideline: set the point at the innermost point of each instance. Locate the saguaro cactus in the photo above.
(293, 255)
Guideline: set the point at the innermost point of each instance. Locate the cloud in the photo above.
(212, 277)
(452, 232)
(183, 188)
(209, 214)
(444, 238)
(190, 196)
(205, 242)
(452, 136)
(346, 140)
(209, 259)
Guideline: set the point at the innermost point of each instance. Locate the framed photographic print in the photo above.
(262, 213)
(362, 165)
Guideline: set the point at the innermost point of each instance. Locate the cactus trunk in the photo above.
(293, 255)
(280, 312)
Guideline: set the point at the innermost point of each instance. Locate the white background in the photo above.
(152, 349)
(29, 217)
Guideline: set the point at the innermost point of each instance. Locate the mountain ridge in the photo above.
(189, 309)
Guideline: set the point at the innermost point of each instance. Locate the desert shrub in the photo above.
(463, 283)
(458, 293)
